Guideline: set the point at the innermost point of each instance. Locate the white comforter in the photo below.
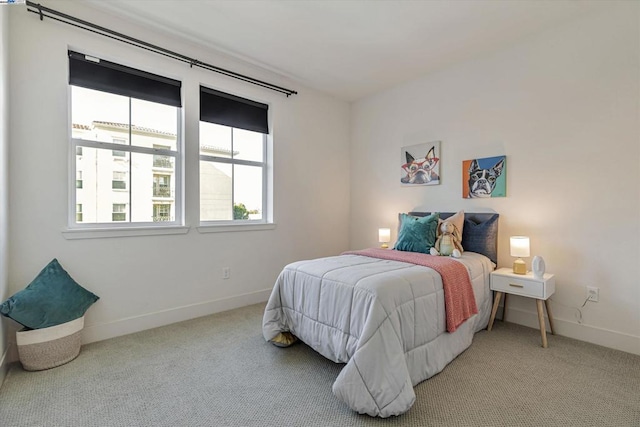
(384, 319)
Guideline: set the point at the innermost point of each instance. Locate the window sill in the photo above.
(222, 228)
(101, 233)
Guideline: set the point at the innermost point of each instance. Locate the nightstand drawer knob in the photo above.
(515, 285)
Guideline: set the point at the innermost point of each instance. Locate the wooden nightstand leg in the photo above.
(549, 315)
(496, 301)
(543, 328)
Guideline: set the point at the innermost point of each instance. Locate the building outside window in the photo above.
(118, 134)
(79, 212)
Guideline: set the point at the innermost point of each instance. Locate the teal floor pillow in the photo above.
(52, 298)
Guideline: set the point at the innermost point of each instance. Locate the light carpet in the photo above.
(219, 371)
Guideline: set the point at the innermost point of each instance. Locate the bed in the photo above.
(393, 317)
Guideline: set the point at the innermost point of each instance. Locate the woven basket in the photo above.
(47, 348)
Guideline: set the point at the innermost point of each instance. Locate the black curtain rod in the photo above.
(43, 12)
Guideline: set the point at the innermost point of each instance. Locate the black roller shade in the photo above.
(230, 110)
(97, 74)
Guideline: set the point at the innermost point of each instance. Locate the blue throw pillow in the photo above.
(52, 298)
(482, 237)
(417, 234)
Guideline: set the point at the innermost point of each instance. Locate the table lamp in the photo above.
(519, 249)
(384, 237)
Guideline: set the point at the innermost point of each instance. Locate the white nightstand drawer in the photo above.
(503, 280)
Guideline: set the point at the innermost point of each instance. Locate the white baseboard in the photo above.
(582, 332)
(103, 331)
(99, 332)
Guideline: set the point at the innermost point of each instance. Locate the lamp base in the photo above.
(519, 266)
(384, 246)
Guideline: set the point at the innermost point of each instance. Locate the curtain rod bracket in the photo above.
(39, 6)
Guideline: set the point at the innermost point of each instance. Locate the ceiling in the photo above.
(352, 48)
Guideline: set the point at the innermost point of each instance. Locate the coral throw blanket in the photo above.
(459, 300)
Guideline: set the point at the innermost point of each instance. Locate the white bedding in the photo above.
(384, 319)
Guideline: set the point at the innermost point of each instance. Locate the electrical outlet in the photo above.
(226, 272)
(593, 293)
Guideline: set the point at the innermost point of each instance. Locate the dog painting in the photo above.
(483, 178)
(420, 164)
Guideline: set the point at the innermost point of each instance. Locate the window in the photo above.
(119, 212)
(78, 179)
(119, 153)
(161, 212)
(162, 162)
(162, 186)
(79, 212)
(126, 124)
(119, 180)
(233, 153)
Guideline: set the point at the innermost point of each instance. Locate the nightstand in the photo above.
(505, 281)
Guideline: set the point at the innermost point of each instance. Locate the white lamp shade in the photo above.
(519, 246)
(384, 235)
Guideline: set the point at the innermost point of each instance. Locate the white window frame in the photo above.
(76, 230)
(237, 224)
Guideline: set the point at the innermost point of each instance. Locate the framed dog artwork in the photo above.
(483, 178)
(420, 164)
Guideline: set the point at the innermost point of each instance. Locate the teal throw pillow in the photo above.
(52, 298)
(417, 234)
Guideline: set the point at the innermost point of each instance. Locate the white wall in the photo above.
(563, 107)
(4, 176)
(148, 281)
